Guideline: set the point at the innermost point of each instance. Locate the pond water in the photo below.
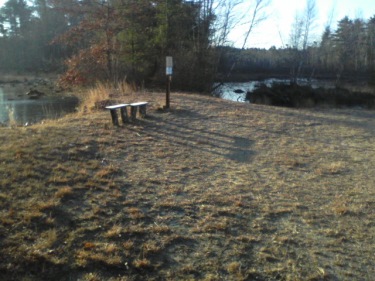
(227, 90)
(16, 105)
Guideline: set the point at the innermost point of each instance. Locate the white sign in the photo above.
(169, 66)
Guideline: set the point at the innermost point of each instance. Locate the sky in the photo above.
(275, 30)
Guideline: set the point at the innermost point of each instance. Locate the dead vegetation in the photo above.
(104, 94)
(211, 190)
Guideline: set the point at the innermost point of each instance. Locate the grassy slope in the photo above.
(212, 190)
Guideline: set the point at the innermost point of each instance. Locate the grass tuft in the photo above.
(142, 263)
(114, 232)
(64, 192)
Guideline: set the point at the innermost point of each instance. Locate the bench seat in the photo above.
(124, 113)
(116, 106)
(142, 109)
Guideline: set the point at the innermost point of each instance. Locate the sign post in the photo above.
(168, 72)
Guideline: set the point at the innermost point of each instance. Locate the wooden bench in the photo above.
(124, 113)
(142, 109)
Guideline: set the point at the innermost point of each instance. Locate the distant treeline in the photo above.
(94, 40)
(345, 53)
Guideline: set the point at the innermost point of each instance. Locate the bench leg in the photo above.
(142, 111)
(133, 112)
(114, 117)
(124, 115)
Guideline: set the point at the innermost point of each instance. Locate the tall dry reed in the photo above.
(102, 94)
(11, 117)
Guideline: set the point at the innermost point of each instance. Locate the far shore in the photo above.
(356, 79)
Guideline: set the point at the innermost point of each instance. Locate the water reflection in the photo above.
(14, 104)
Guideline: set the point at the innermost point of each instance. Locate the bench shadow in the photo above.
(189, 129)
(241, 151)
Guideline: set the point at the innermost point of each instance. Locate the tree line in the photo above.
(109, 40)
(112, 40)
(348, 51)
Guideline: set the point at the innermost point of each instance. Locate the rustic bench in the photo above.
(142, 109)
(124, 113)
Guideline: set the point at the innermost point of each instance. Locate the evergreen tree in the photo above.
(326, 59)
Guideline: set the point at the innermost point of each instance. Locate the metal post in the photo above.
(167, 101)
(168, 72)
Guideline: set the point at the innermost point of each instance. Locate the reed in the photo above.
(103, 94)
(12, 118)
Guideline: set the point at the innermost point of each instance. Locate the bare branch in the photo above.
(227, 19)
(310, 17)
(256, 18)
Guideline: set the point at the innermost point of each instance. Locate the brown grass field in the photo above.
(211, 190)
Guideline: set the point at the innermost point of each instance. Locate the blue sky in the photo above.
(276, 29)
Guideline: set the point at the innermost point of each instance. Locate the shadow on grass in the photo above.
(188, 128)
(355, 118)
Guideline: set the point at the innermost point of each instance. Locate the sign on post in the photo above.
(168, 72)
(169, 66)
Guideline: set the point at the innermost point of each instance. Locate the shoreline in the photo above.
(245, 77)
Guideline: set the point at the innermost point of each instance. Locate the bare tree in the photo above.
(227, 19)
(309, 21)
(303, 25)
(234, 13)
(296, 32)
(300, 35)
(257, 16)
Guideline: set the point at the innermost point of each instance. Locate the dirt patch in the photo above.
(211, 190)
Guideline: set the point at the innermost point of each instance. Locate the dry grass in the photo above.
(103, 94)
(211, 190)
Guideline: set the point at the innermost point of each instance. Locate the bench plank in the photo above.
(116, 106)
(139, 103)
